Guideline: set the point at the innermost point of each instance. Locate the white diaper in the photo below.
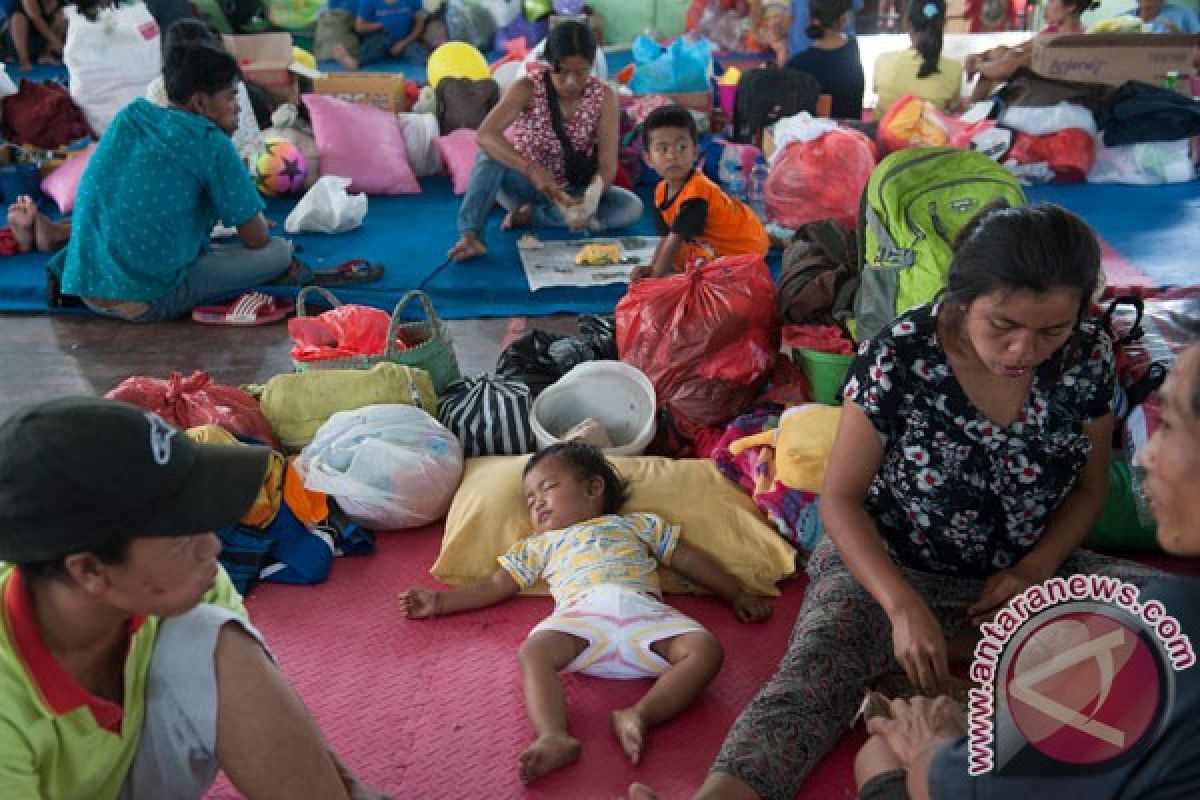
(619, 625)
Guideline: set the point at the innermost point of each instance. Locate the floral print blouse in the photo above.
(958, 494)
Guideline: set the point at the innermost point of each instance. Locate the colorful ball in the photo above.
(281, 168)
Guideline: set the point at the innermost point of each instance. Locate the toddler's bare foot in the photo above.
(546, 754)
(21, 215)
(343, 57)
(518, 218)
(466, 248)
(630, 730)
(48, 235)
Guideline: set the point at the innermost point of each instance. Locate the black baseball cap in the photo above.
(78, 474)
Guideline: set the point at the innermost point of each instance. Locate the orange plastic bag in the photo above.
(705, 338)
(821, 179)
(194, 401)
(1069, 152)
(913, 122)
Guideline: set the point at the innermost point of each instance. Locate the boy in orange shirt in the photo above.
(691, 212)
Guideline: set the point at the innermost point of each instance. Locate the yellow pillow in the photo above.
(488, 516)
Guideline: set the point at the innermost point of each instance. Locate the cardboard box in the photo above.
(380, 89)
(1115, 58)
(266, 60)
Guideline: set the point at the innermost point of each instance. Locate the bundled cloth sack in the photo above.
(110, 60)
(298, 404)
(490, 415)
(388, 466)
(819, 178)
(705, 338)
(196, 400)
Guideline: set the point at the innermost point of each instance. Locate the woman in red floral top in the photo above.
(524, 163)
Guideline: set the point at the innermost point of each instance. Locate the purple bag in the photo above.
(532, 32)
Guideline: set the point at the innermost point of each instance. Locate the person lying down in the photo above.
(609, 619)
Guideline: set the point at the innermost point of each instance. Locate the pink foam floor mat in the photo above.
(434, 709)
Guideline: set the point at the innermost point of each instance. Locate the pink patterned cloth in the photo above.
(532, 133)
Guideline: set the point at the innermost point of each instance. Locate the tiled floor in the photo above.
(47, 356)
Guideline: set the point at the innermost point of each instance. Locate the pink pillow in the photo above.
(458, 149)
(362, 143)
(63, 183)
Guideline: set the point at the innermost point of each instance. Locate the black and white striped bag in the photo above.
(489, 415)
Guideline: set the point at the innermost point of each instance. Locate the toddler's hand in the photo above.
(750, 608)
(419, 603)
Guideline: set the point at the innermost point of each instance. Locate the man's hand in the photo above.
(917, 723)
(750, 608)
(419, 603)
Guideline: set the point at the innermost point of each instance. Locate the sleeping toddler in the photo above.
(609, 619)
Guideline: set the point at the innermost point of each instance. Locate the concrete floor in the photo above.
(47, 356)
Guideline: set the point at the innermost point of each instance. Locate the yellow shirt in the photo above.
(620, 549)
(56, 739)
(896, 76)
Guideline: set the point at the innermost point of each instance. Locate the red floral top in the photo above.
(532, 133)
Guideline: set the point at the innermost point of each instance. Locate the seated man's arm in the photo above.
(254, 233)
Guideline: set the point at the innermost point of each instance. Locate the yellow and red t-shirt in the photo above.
(57, 739)
(702, 213)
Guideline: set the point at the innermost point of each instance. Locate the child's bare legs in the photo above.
(21, 216)
(49, 235)
(542, 655)
(695, 659)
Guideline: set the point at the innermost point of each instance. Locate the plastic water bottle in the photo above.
(737, 184)
(756, 191)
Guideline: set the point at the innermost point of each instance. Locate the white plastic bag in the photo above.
(110, 61)
(802, 127)
(327, 208)
(1144, 164)
(1045, 120)
(420, 140)
(388, 466)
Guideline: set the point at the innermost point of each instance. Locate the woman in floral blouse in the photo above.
(971, 462)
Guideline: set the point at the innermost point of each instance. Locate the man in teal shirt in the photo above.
(156, 184)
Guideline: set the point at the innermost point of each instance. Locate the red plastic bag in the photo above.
(349, 330)
(913, 122)
(821, 179)
(196, 400)
(706, 338)
(1069, 152)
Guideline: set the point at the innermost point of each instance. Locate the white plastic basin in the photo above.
(616, 394)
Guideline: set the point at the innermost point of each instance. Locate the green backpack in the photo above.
(913, 206)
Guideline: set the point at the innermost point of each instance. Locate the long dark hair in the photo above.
(1034, 248)
(927, 20)
(570, 38)
(823, 15)
(587, 462)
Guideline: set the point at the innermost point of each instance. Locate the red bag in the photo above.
(821, 179)
(349, 330)
(42, 114)
(1069, 152)
(196, 400)
(705, 338)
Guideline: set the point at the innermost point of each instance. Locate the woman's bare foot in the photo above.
(467, 247)
(518, 218)
(343, 57)
(630, 730)
(640, 791)
(21, 216)
(546, 754)
(49, 235)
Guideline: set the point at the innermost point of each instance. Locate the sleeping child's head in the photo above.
(670, 139)
(569, 483)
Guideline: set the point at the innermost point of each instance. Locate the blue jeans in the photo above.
(375, 46)
(491, 181)
(220, 271)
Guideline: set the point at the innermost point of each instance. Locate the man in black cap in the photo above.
(127, 665)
